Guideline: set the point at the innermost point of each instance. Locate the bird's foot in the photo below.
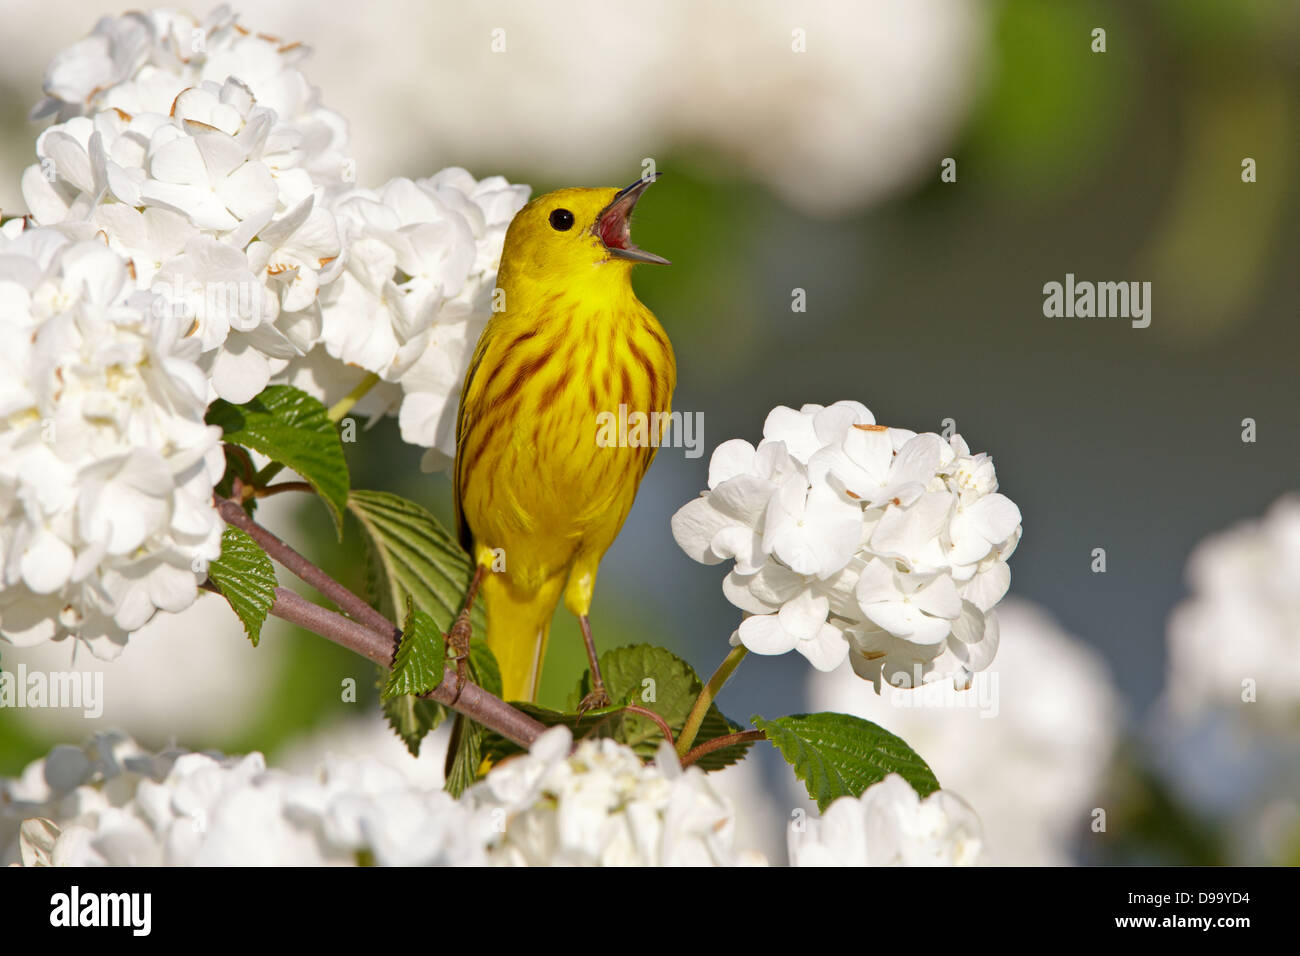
(458, 641)
(597, 699)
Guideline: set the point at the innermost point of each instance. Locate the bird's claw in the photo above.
(458, 641)
(594, 701)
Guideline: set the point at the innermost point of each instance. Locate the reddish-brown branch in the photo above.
(282, 487)
(718, 743)
(369, 633)
(651, 715)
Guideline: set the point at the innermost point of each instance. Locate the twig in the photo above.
(369, 633)
(650, 714)
(475, 703)
(710, 690)
(245, 461)
(343, 599)
(281, 487)
(345, 404)
(718, 743)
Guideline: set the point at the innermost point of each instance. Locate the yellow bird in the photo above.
(541, 491)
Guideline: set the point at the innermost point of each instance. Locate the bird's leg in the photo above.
(598, 697)
(460, 633)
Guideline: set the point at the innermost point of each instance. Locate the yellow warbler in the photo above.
(540, 491)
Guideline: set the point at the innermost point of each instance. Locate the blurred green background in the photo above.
(924, 301)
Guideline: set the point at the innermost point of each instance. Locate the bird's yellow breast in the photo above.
(537, 474)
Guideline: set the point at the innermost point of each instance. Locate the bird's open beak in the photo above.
(612, 225)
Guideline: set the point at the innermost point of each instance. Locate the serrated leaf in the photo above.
(420, 660)
(409, 556)
(715, 724)
(289, 426)
(649, 677)
(412, 556)
(645, 676)
(467, 749)
(468, 738)
(412, 718)
(640, 671)
(837, 755)
(246, 579)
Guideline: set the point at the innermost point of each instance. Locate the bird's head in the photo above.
(570, 232)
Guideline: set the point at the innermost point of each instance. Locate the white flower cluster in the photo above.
(190, 146)
(890, 825)
(601, 806)
(196, 238)
(853, 539)
(113, 804)
(415, 294)
(199, 151)
(1235, 643)
(831, 105)
(106, 465)
(1046, 714)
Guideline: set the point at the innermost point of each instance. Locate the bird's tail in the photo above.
(518, 627)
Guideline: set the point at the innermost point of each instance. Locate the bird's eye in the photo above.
(561, 220)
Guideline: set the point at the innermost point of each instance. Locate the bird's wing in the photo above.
(463, 414)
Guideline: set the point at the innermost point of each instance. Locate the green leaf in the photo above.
(291, 427)
(412, 556)
(412, 718)
(649, 677)
(715, 724)
(420, 660)
(836, 755)
(644, 676)
(467, 748)
(467, 739)
(245, 577)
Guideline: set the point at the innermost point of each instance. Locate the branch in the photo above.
(370, 634)
(474, 702)
(342, 598)
(281, 488)
(710, 690)
(717, 743)
(651, 715)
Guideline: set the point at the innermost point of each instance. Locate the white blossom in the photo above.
(601, 806)
(831, 106)
(114, 804)
(1235, 643)
(1027, 745)
(1223, 731)
(139, 62)
(416, 291)
(201, 154)
(889, 825)
(106, 464)
(850, 539)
